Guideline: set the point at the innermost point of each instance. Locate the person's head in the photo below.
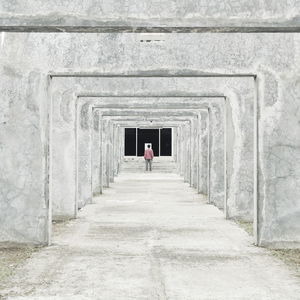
(148, 146)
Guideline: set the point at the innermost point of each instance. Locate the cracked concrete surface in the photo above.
(150, 236)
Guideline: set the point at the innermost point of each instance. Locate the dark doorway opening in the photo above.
(166, 142)
(148, 136)
(130, 141)
(136, 138)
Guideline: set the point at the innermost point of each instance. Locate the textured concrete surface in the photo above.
(157, 16)
(150, 236)
(217, 157)
(147, 87)
(203, 153)
(26, 59)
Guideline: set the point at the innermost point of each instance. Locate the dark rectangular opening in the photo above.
(130, 141)
(146, 136)
(166, 142)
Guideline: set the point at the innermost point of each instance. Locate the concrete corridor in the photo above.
(150, 236)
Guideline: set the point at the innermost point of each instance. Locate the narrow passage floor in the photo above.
(150, 236)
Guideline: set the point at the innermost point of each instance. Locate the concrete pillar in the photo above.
(204, 152)
(120, 143)
(111, 152)
(115, 149)
(96, 154)
(84, 151)
(174, 143)
(182, 151)
(186, 150)
(179, 145)
(216, 157)
(195, 152)
(105, 152)
(240, 156)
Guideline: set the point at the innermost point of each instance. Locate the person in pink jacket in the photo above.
(148, 155)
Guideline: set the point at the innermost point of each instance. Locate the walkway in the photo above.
(152, 237)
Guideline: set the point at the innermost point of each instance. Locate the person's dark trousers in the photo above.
(148, 162)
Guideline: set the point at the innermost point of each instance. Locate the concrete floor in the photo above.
(150, 236)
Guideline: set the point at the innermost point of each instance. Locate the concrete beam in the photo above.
(144, 16)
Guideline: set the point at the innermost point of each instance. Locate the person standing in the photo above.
(148, 156)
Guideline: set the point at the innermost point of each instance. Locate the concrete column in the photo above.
(122, 148)
(195, 150)
(182, 151)
(174, 143)
(96, 154)
(239, 157)
(107, 154)
(216, 157)
(189, 152)
(111, 151)
(198, 151)
(119, 150)
(204, 152)
(101, 153)
(179, 150)
(192, 153)
(186, 154)
(84, 151)
(115, 151)
(104, 150)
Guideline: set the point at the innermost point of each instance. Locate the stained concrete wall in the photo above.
(92, 14)
(27, 58)
(23, 147)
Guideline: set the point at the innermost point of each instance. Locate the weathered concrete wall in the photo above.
(279, 214)
(204, 152)
(84, 148)
(217, 159)
(25, 54)
(95, 155)
(63, 133)
(23, 155)
(91, 14)
(240, 137)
